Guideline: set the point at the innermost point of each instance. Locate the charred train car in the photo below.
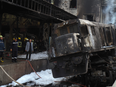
(85, 49)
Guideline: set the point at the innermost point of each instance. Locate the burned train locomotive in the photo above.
(83, 47)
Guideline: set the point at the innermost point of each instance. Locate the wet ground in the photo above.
(8, 60)
(58, 84)
(73, 85)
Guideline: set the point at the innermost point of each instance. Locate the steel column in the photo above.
(1, 13)
(0, 22)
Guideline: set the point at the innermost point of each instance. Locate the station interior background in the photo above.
(13, 26)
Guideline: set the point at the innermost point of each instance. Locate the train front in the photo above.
(66, 55)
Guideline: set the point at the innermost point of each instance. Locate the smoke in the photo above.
(110, 14)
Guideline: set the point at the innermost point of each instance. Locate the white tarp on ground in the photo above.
(46, 79)
(35, 56)
(46, 76)
(114, 85)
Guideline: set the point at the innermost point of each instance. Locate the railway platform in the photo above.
(19, 68)
(9, 61)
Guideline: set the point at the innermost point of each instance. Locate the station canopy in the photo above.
(35, 9)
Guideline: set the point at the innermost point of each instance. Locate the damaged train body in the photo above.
(83, 47)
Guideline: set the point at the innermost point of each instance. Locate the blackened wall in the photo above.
(85, 9)
(90, 9)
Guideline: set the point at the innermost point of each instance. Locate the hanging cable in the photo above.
(37, 75)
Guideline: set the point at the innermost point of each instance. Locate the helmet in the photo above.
(14, 38)
(1, 36)
(19, 38)
(27, 39)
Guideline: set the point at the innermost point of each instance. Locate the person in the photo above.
(2, 48)
(14, 49)
(29, 49)
(24, 43)
(19, 44)
(35, 47)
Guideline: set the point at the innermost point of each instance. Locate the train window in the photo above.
(73, 28)
(73, 4)
(84, 31)
(63, 30)
(102, 36)
(56, 2)
(88, 17)
(108, 35)
(93, 30)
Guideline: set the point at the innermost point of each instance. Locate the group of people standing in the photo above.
(14, 49)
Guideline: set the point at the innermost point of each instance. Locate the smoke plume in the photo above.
(110, 14)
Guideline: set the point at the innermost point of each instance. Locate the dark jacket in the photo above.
(35, 45)
(14, 46)
(2, 47)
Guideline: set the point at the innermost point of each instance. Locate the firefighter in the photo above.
(35, 46)
(26, 40)
(32, 40)
(14, 49)
(19, 44)
(2, 48)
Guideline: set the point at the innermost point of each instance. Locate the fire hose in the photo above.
(12, 78)
(37, 75)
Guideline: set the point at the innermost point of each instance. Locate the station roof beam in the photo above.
(35, 9)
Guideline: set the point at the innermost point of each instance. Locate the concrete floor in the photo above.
(20, 68)
(9, 61)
